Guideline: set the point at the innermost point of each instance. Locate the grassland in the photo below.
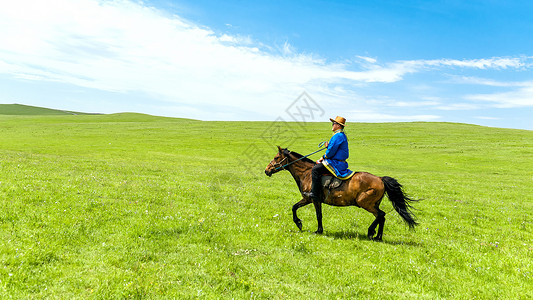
(134, 206)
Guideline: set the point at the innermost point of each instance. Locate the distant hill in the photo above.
(24, 110)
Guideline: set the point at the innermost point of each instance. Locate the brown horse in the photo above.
(362, 190)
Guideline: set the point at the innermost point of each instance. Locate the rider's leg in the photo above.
(316, 177)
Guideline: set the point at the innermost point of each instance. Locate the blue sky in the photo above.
(369, 61)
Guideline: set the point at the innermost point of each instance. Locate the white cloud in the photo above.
(414, 103)
(126, 47)
(520, 97)
(518, 94)
(485, 63)
(458, 106)
(370, 116)
(487, 118)
(122, 46)
(396, 71)
(487, 82)
(367, 59)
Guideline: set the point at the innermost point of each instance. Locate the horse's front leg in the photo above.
(295, 207)
(318, 209)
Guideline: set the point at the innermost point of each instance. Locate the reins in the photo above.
(286, 165)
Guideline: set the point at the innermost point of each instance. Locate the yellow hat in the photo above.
(339, 120)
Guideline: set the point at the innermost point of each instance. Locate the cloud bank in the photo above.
(126, 47)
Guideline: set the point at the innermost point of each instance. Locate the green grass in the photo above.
(135, 206)
(20, 109)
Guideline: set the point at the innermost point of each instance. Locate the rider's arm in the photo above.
(333, 146)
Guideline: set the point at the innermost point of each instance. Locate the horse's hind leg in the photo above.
(370, 201)
(380, 220)
(295, 207)
(381, 217)
(372, 229)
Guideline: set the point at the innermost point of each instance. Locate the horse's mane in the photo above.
(298, 156)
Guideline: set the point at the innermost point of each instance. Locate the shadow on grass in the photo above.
(355, 235)
(346, 235)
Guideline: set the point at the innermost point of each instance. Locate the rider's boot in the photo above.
(316, 189)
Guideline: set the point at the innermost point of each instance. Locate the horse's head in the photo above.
(277, 164)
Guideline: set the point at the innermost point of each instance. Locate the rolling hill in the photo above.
(27, 110)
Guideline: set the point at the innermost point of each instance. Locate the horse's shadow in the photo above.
(346, 235)
(355, 235)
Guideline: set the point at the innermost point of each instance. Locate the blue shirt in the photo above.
(336, 155)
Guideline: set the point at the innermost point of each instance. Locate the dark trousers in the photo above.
(316, 177)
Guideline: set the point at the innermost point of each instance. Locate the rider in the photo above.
(334, 161)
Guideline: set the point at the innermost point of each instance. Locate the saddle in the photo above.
(331, 182)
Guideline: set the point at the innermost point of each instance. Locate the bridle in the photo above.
(290, 163)
(276, 165)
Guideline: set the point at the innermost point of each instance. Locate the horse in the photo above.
(362, 190)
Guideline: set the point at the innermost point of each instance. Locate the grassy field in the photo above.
(135, 206)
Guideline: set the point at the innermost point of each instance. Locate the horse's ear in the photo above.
(279, 149)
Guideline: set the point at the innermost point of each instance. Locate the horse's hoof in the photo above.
(299, 226)
(319, 231)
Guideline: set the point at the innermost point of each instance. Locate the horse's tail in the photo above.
(400, 201)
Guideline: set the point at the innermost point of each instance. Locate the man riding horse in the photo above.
(334, 161)
(361, 189)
